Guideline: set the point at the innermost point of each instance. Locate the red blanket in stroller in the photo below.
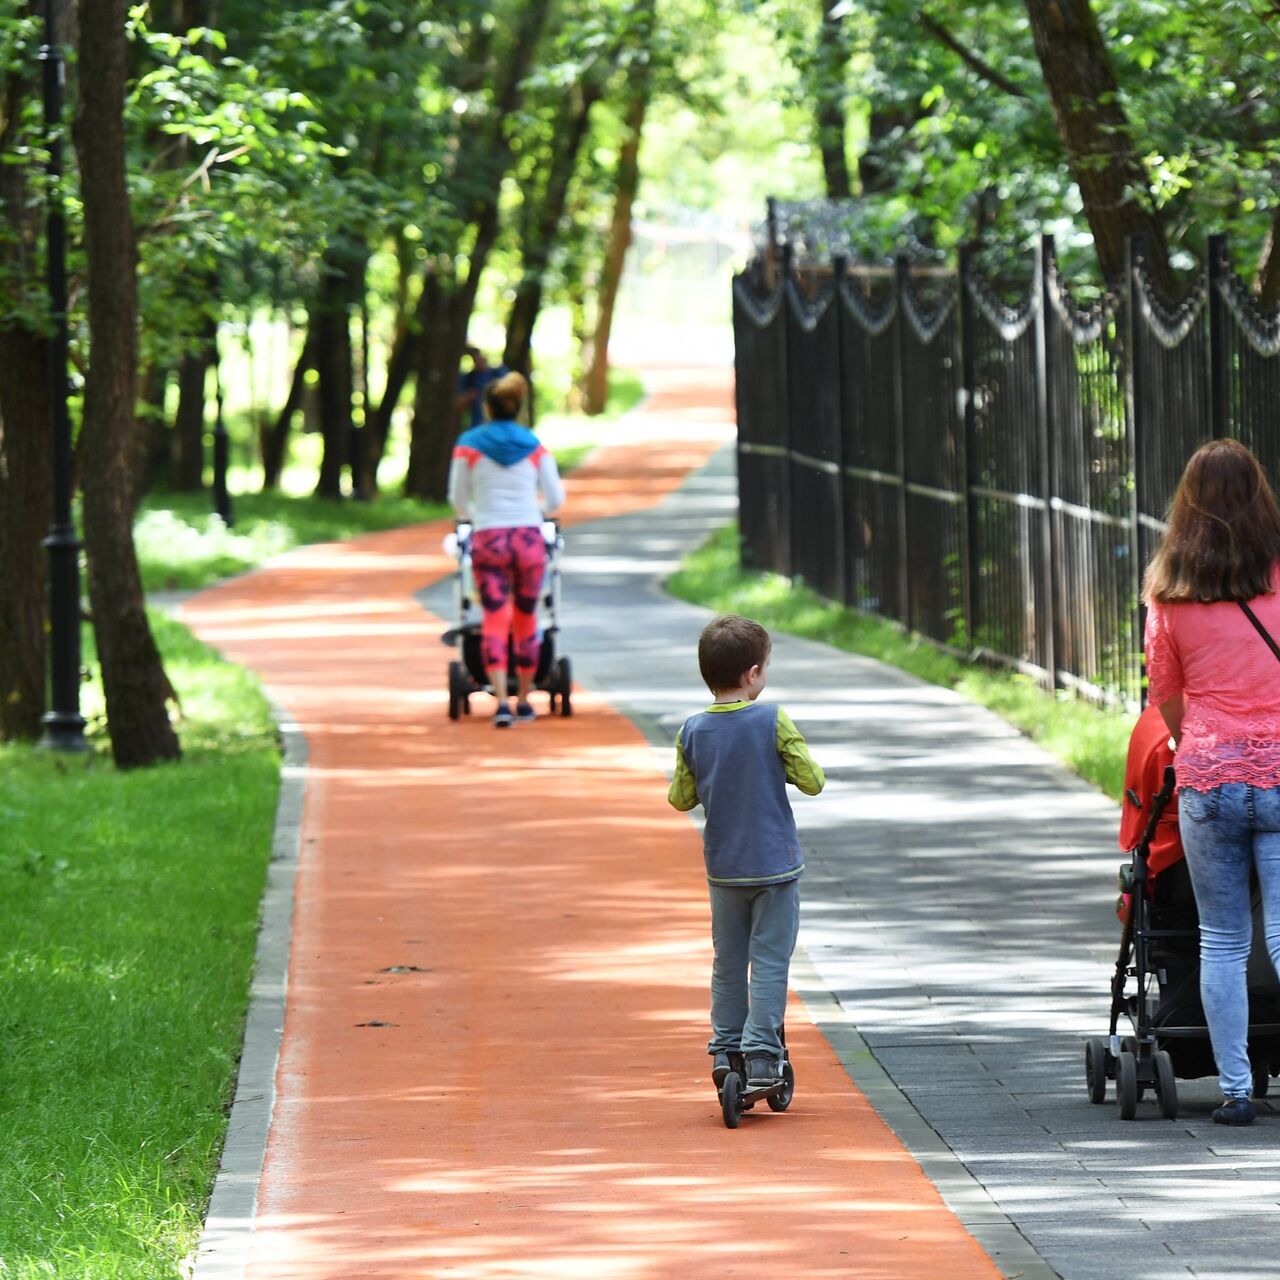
(1149, 755)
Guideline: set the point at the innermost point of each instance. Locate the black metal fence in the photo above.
(991, 475)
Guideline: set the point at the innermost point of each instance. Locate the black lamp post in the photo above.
(221, 446)
(63, 723)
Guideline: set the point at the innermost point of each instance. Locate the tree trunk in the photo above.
(333, 364)
(189, 421)
(1095, 131)
(595, 382)
(579, 336)
(133, 677)
(274, 440)
(26, 467)
(153, 461)
(26, 497)
(483, 153)
(187, 440)
(404, 354)
(540, 234)
(877, 172)
(435, 419)
(340, 288)
(829, 89)
(1267, 281)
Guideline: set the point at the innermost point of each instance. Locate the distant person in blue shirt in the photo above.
(735, 759)
(472, 385)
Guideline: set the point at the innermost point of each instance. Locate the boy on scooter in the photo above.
(735, 759)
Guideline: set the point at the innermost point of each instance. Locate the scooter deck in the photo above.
(750, 1096)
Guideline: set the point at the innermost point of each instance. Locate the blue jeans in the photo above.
(1226, 832)
(753, 930)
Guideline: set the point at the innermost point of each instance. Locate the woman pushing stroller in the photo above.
(1214, 674)
(505, 483)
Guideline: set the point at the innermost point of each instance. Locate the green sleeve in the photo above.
(683, 794)
(801, 768)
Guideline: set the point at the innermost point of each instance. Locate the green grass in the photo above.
(571, 457)
(128, 919)
(183, 546)
(626, 390)
(1091, 741)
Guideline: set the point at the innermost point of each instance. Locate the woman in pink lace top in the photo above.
(1217, 685)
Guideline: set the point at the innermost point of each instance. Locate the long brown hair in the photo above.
(1223, 539)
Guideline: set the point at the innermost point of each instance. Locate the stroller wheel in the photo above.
(564, 682)
(1095, 1069)
(1127, 1085)
(1166, 1084)
(1261, 1078)
(458, 701)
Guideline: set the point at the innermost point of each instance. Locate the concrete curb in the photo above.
(224, 1244)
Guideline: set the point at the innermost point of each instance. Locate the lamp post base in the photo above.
(62, 731)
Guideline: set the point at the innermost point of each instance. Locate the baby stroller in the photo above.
(1160, 951)
(466, 673)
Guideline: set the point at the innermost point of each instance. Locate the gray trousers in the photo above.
(753, 930)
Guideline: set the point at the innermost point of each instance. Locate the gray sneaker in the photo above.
(720, 1068)
(762, 1072)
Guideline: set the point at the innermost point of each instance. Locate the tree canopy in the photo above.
(997, 122)
(365, 174)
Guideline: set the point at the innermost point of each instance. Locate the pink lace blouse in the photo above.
(1230, 682)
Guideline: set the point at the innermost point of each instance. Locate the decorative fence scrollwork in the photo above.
(991, 475)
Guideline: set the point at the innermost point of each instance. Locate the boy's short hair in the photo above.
(728, 647)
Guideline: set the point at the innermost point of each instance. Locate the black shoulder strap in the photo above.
(1262, 631)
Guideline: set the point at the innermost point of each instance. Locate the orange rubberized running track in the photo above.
(493, 1057)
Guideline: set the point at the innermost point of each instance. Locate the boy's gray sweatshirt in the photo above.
(750, 836)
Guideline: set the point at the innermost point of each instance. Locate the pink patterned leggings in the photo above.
(509, 565)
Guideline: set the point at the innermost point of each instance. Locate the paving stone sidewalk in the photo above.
(958, 905)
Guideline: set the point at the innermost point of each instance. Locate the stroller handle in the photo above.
(458, 543)
(1159, 802)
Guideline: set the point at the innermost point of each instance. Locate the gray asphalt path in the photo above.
(958, 910)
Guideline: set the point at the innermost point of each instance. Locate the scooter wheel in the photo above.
(781, 1100)
(731, 1100)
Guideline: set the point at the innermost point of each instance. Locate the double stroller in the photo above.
(1160, 953)
(467, 674)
